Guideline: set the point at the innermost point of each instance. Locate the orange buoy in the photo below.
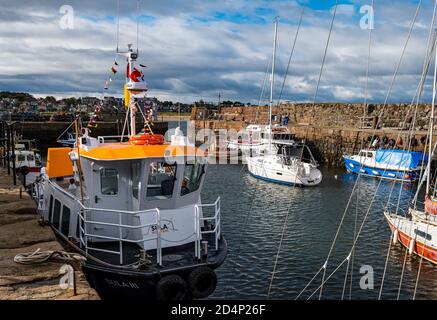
(145, 139)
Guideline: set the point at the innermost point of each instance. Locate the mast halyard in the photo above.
(272, 82)
(431, 125)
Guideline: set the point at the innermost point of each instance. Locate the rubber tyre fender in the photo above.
(202, 282)
(24, 170)
(171, 287)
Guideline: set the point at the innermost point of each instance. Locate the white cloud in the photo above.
(190, 59)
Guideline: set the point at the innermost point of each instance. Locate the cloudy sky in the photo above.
(195, 49)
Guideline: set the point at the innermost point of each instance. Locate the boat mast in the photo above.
(272, 82)
(132, 112)
(431, 125)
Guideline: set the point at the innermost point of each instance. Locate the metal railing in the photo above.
(86, 235)
(86, 222)
(101, 139)
(215, 218)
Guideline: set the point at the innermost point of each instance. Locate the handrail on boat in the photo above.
(84, 236)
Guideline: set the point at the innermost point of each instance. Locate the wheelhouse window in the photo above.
(109, 181)
(56, 214)
(30, 157)
(160, 181)
(192, 177)
(21, 157)
(51, 208)
(136, 176)
(65, 222)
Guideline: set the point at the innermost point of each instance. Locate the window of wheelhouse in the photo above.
(51, 208)
(192, 177)
(160, 181)
(109, 181)
(65, 221)
(56, 214)
(136, 176)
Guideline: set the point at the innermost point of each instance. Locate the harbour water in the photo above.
(253, 214)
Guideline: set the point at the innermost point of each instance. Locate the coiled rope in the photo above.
(39, 256)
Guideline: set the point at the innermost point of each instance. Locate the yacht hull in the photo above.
(420, 246)
(281, 175)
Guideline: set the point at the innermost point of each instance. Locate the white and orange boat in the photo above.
(417, 230)
(133, 210)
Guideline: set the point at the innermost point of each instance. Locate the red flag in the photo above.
(136, 75)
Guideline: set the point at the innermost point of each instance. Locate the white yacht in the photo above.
(278, 160)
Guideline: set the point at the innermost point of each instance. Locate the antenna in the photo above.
(138, 22)
(118, 22)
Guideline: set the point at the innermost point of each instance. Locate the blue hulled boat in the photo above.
(400, 165)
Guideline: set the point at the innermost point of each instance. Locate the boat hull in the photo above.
(405, 237)
(356, 167)
(280, 176)
(113, 283)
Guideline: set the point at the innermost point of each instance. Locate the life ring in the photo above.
(202, 282)
(171, 287)
(141, 139)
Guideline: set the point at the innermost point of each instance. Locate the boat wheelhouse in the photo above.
(27, 160)
(399, 165)
(256, 138)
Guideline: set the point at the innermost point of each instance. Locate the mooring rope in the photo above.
(39, 256)
(373, 134)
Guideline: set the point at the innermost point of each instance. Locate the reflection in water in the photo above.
(253, 213)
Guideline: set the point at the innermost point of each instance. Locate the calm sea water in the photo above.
(253, 215)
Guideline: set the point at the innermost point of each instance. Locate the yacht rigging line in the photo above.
(325, 53)
(358, 189)
(291, 56)
(373, 135)
(431, 47)
(428, 167)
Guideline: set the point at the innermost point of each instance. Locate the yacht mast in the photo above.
(272, 82)
(431, 126)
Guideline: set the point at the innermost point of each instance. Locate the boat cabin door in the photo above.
(107, 191)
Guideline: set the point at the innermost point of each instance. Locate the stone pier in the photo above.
(20, 232)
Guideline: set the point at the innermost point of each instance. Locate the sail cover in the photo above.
(400, 158)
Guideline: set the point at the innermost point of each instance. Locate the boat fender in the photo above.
(202, 282)
(24, 170)
(395, 236)
(424, 140)
(400, 142)
(391, 142)
(411, 246)
(171, 287)
(414, 142)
